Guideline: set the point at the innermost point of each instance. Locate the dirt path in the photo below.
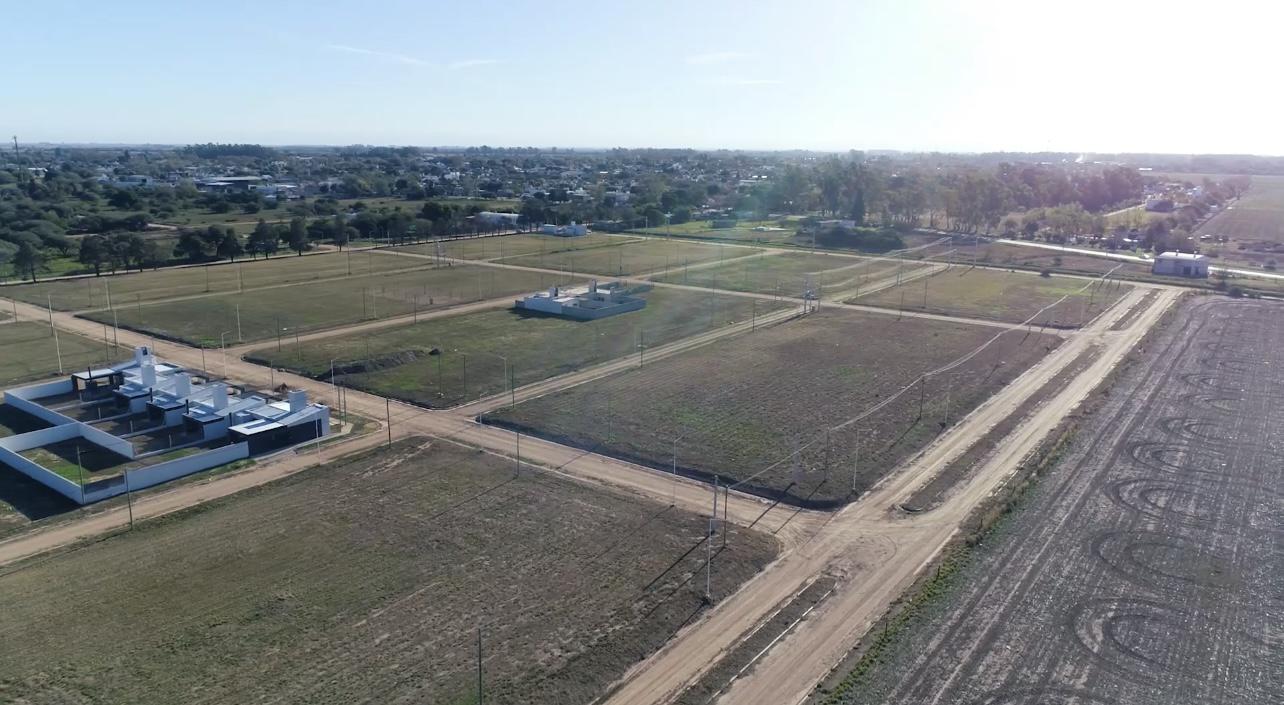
(875, 551)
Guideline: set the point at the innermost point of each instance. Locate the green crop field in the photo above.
(791, 273)
(1002, 296)
(366, 580)
(29, 351)
(742, 407)
(396, 361)
(500, 247)
(324, 304)
(645, 256)
(159, 285)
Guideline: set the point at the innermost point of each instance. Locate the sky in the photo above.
(916, 75)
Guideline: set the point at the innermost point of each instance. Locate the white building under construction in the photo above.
(145, 422)
(584, 303)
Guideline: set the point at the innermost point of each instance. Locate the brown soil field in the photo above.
(754, 408)
(1145, 566)
(365, 581)
(1253, 226)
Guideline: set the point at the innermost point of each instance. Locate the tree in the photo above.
(93, 252)
(298, 237)
(263, 241)
(152, 255)
(28, 259)
(230, 245)
(191, 246)
(128, 249)
(339, 230)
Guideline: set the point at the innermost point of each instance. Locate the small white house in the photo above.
(1181, 264)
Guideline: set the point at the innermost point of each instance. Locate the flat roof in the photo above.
(95, 374)
(1181, 255)
(249, 428)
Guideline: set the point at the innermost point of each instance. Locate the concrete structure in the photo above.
(572, 230)
(1181, 264)
(582, 303)
(493, 219)
(148, 416)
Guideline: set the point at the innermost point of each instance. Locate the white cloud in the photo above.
(400, 58)
(471, 63)
(715, 57)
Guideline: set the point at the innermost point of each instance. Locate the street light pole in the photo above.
(222, 342)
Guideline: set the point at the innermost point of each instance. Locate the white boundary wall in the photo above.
(21, 397)
(11, 447)
(160, 473)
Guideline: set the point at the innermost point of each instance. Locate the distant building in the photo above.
(1181, 264)
(230, 183)
(572, 230)
(493, 219)
(582, 303)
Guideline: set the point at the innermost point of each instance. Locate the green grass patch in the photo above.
(397, 361)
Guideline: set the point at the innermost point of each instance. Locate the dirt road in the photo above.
(873, 550)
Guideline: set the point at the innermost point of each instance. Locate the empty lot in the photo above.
(790, 274)
(129, 289)
(365, 582)
(398, 362)
(502, 246)
(1012, 297)
(324, 304)
(29, 351)
(1145, 568)
(744, 407)
(638, 257)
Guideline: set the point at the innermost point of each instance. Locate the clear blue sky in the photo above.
(1095, 75)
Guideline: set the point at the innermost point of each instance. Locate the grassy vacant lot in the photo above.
(365, 581)
(790, 273)
(744, 231)
(1000, 254)
(505, 246)
(738, 406)
(648, 255)
(1002, 296)
(158, 285)
(396, 361)
(29, 352)
(325, 304)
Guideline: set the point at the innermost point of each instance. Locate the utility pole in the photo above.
(387, 410)
(129, 501)
(80, 473)
(239, 337)
(856, 461)
(922, 395)
(479, 665)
